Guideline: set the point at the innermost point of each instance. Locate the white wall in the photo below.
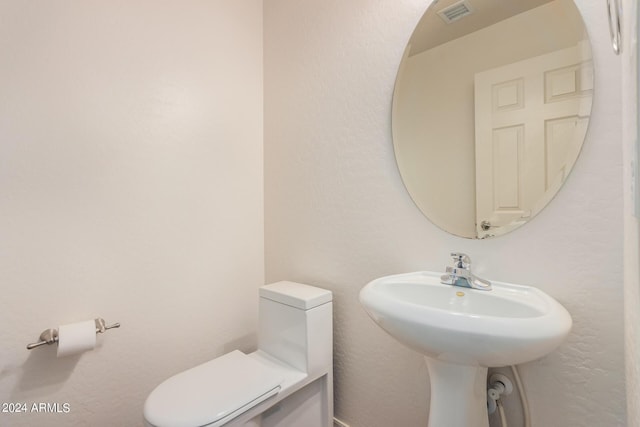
(337, 215)
(631, 230)
(130, 188)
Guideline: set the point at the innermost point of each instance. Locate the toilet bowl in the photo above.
(287, 382)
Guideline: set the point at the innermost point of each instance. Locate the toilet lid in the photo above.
(211, 391)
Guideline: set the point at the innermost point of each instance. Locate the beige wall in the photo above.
(337, 215)
(130, 188)
(631, 230)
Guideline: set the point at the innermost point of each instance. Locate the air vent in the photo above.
(456, 11)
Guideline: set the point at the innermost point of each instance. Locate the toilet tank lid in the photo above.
(232, 383)
(296, 295)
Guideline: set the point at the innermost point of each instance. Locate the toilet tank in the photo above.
(296, 325)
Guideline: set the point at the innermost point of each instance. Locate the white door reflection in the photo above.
(531, 118)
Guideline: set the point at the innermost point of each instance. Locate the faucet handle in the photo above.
(461, 260)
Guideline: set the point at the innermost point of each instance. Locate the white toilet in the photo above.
(287, 382)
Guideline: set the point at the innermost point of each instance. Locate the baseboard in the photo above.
(338, 423)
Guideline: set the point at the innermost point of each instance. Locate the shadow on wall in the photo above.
(246, 344)
(41, 373)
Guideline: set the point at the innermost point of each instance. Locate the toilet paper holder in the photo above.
(50, 336)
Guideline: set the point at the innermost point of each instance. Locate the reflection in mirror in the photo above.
(490, 110)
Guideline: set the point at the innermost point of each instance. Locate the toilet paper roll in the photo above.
(76, 338)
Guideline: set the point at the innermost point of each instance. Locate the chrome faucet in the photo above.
(460, 274)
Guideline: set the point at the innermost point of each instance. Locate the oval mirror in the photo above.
(490, 110)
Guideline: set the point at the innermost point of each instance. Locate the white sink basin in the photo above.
(507, 325)
(462, 332)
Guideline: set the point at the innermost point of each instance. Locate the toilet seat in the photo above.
(212, 393)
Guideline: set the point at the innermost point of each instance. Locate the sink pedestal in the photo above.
(458, 395)
(508, 325)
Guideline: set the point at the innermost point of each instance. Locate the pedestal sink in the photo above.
(464, 331)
